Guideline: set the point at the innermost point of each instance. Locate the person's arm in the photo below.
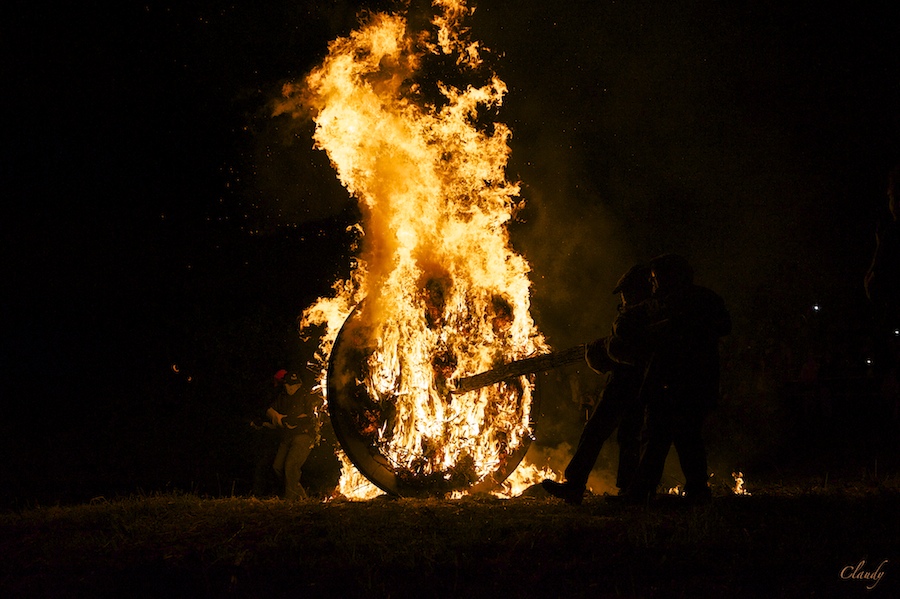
(274, 416)
(277, 418)
(596, 356)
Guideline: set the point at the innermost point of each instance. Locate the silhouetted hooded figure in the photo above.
(619, 407)
(680, 338)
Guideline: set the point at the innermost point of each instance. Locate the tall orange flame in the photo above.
(445, 294)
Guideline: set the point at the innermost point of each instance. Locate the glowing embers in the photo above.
(739, 488)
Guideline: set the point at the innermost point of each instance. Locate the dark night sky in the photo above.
(156, 215)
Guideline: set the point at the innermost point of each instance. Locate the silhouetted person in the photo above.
(619, 407)
(680, 333)
(294, 414)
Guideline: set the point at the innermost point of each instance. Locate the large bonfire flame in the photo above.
(436, 292)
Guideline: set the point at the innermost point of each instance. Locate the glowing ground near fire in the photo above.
(436, 292)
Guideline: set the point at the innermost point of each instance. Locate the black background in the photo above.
(162, 231)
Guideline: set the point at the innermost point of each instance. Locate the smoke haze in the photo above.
(690, 127)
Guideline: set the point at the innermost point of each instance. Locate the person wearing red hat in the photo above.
(295, 413)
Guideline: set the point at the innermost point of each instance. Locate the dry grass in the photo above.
(779, 542)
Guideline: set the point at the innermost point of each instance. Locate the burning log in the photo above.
(519, 368)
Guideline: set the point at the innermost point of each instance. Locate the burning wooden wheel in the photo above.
(448, 296)
(364, 423)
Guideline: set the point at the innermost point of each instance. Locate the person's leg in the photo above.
(596, 431)
(599, 427)
(280, 457)
(630, 439)
(691, 450)
(300, 448)
(650, 470)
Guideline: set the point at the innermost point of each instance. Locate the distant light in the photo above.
(816, 307)
(869, 361)
(896, 332)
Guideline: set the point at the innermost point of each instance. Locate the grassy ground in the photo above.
(780, 542)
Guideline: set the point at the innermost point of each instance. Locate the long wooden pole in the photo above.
(520, 367)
